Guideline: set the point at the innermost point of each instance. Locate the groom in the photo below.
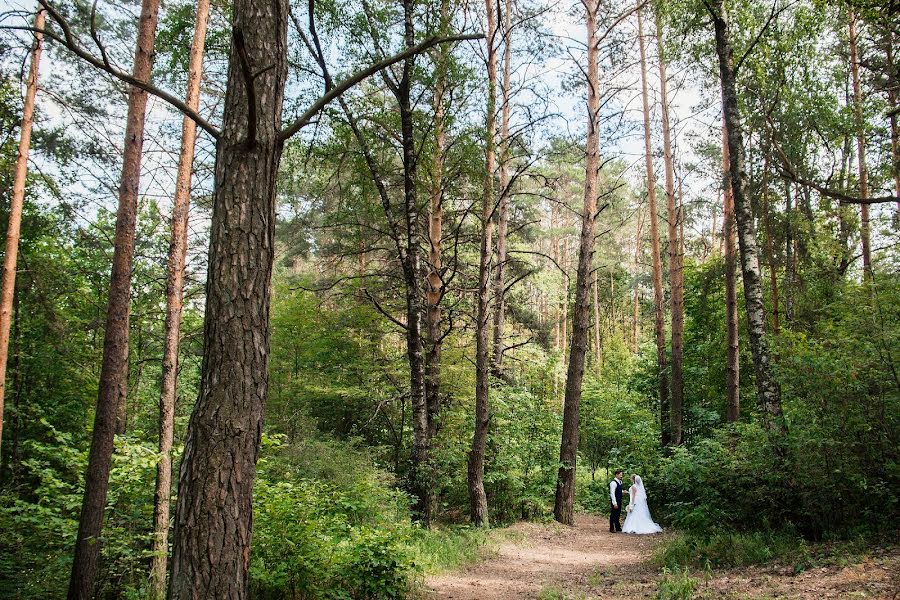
(615, 497)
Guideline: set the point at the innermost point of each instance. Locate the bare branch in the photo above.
(359, 76)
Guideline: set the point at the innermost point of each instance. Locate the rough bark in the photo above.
(729, 235)
(658, 301)
(477, 496)
(677, 291)
(109, 417)
(564, 504)
(174, 303)
(503, 207)
(213, 520)
(635, 301)
(768, 390)
(14, 225)
(860, 150)
(434, 283)
(420, 475)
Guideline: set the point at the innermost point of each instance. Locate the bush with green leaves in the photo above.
(313, 539)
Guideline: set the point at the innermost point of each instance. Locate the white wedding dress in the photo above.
(639, 519)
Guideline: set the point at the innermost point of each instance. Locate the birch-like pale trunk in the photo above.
(767, 387)
(864, 229)
(503, 207)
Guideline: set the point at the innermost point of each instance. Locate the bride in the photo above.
(639, 519)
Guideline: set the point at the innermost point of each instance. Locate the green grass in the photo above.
(732, 550)
(676, 585)
(443, 549)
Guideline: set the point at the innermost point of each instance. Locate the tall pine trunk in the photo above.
(563, 510)
(213, 520)
(503, 208)
(768, 390)
(635, 300)
(729, 235)
(434, 283)
(109, 417)
(658, 301)
(477, 496)
(14, 224)
(677, 290)
(860, 149)
(174, 303)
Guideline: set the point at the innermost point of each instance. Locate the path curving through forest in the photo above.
(586, 562)
(538, 558)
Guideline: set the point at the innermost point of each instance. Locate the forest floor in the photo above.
(586, 562)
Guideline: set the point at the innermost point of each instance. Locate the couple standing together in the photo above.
(638, 519)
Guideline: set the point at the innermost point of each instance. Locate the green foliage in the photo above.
(676, 585)
(315, 540)
(731, 550)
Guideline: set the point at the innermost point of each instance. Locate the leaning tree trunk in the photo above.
(477, 497)
(677, 291)
(503, 208)
(213, 523)
(733, 362)
(658, 302)
(174, 299)
(109, 417)
(563, 510)
(14, 224)
(768, 390)
(864, 231)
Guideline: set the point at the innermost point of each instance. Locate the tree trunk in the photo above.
(635, 304)
(677, 291)
(768, 390)
(14, 226)
(770, 247)
(658, 302)
(563, 510)
(895, 128)
(477, 496)
(434, 283)
(109, 417)
(598, 343)
(174, 303)
(503, 208)
(733, 357)
(213, 524)
(861, 150)
(420, 475)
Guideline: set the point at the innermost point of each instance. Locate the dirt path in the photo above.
(544, 557)
(589, 563)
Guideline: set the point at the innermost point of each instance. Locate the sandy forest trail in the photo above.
(541, 557)
(589, 563)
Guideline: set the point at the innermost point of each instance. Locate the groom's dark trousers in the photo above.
(614, 515)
